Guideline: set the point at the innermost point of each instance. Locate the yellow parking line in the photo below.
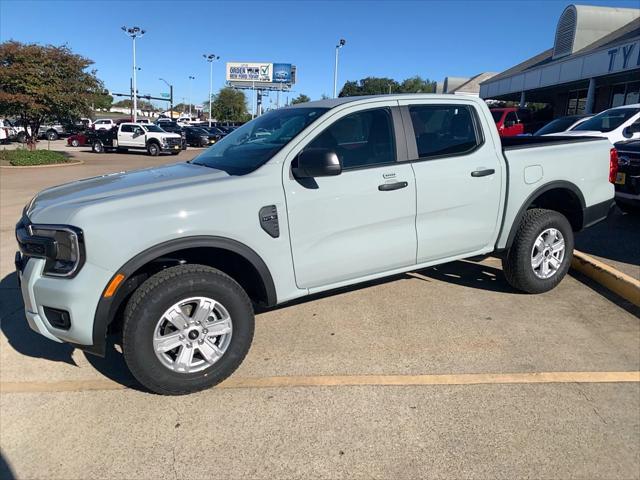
(349, 381)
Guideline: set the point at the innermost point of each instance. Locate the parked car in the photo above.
(6, 130)
(78, 140)
(611, 124)
(508, 121)
(103, 124)
(562, 124)
(628, 176)
(197, 137)
(173, 127)
(19, 132)
(136, 136)
(51, 131)
(342, 191)
(215, 131)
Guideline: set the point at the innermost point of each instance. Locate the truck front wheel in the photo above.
(186, 329)
(153, 149)
(541, 253)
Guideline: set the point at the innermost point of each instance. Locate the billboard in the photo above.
(249, 72)
(262, 73)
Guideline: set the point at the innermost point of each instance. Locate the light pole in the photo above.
(335, 68)
(134, 32)
(191, 77)
(170, 97)
(210, 58)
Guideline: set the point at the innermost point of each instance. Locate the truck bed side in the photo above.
(572, 172)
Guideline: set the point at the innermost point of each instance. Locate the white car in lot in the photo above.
(104, 124)
(611, 124)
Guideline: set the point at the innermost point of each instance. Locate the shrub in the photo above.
(23, 157)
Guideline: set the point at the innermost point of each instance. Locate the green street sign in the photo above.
(165, 95)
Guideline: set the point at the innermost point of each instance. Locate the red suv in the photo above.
(510, 121)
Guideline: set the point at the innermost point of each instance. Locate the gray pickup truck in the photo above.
(301, 200)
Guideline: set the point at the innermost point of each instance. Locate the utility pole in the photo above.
(134, 32)
(170, 97)
(191, 77)
(335, 67)
(210, 58)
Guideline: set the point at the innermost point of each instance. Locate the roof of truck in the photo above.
(334, 102)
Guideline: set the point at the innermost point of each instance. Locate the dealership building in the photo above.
(594, 64)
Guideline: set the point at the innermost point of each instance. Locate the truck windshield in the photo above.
(152, 128)
(252, 145)
(497, 115)
(608, 120)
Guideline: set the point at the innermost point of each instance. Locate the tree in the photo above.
(370, 86)
(101, 100)
(230, 105)
(302, 98)
(417, 85)
(184, 107)
(39, 82)
(383, 85)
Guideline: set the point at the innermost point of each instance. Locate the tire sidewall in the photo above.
(550, 220)
(138, 335)
(98, 147)
(153, 149)
(75, 143)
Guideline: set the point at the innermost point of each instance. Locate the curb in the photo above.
(65, 164)
(619, 283)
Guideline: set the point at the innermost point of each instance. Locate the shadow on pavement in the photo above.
(25, 341)
(617, 238)
(470, 274)
(6, 473)
(20, 336)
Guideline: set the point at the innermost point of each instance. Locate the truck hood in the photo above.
(72, 195)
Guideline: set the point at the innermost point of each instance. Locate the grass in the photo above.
(27, 158)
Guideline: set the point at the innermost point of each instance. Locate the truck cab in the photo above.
(508, 122)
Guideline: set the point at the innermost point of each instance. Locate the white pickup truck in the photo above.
(301, 200)
(135, 136)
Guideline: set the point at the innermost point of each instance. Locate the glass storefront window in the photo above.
(617, 95)
(633, 93)
(577, 102)
(625, 94)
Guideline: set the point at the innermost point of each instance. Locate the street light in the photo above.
(210, 58)
(170, 97)
(134, 32)
(335, 68)
(191, 77)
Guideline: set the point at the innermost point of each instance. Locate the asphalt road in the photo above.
(64, 414)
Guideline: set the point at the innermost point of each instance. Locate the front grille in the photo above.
(174, 141)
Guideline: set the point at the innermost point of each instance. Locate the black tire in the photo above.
(97, 147)
(154, 297)
(153, 149)
(517, 262)
(75, 142)
(21, 137)
(51, 135)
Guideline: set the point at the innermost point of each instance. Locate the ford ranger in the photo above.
(301, 200)
(135, 136)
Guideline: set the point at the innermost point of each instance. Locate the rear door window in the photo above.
(443, 129)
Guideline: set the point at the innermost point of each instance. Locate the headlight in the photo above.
(67, 255)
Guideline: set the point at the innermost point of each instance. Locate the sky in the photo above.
(397, 39)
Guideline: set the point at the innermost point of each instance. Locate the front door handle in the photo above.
(483, 173)
(386, 187)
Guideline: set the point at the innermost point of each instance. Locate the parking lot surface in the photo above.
(65, 414)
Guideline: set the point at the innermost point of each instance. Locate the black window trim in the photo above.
(410, 135)
(396, 137)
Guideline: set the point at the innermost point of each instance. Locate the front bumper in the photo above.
(78, 296)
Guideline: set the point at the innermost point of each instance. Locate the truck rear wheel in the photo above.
(153, 149)
(97, 147)
(186, 329)
(541, 253)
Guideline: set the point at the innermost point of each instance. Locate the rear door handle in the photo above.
(483, 173)
(385, 187)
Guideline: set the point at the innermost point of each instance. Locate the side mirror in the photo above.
(630, 130)
(317, 162)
